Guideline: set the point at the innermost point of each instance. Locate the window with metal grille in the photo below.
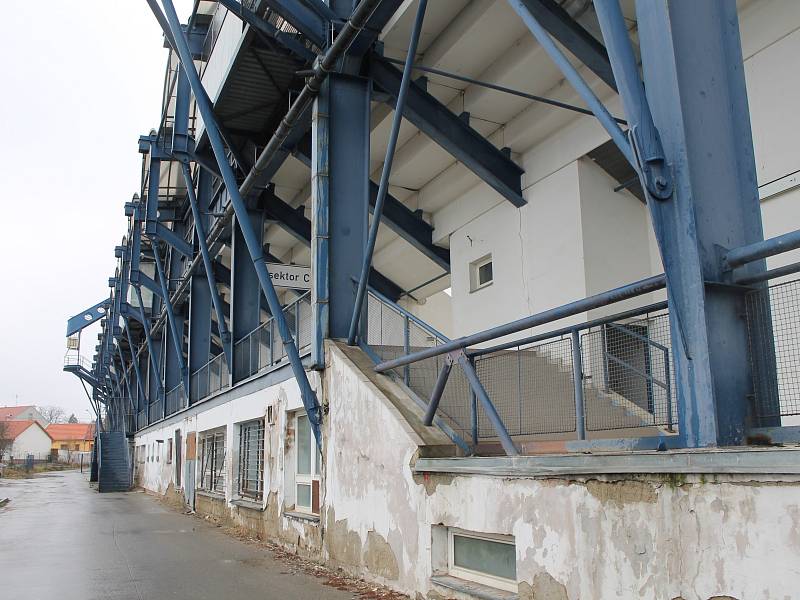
(307, 467)
(212, 461)
(251, 459)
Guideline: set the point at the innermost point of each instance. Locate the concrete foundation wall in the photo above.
(690, 537)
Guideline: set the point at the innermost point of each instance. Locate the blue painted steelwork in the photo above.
(762, 249)
(245, 314)
(200, 234)
(521, 7)
(320, 208)
(177, 337)
(449, 131)
(652, 165)
(387, 169)
(699, 105)
(135, 361)
(253, 242)
(87, 317)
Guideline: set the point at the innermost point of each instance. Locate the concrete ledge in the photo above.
(767, 461)
(300, 516)
(474, 590)
(245, 503)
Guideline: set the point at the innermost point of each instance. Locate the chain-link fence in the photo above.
(773, 321)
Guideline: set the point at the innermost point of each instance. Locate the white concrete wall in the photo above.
(630, 537)
(31, 441)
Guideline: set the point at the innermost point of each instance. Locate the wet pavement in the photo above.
(60, 539)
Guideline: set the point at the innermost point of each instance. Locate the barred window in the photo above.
(212, 461)
(251, 459)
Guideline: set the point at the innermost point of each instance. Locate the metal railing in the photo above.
(209, 379)
(263, 347)
(175, 399)
(141, 419)
(773, 324)
(614, 373)
(73, 359)
(155, 411)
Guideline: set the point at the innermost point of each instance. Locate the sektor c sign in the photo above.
(290, 276)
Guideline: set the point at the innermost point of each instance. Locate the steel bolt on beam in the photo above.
(252, 241)
(387, 169)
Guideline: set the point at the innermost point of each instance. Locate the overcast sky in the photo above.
(80, 82)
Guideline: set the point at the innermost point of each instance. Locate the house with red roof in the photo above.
(22, 413)
(72, 437)
(27, 437)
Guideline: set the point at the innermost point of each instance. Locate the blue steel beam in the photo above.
(87, 317)
(135, 361)
(561, 26)
(252, 241)
(303, 18)
(571, 74)
(268, 29)
(177, 337)
(151, 347)
(449, 131)
(396, 215)
(295, 223)
(150, 284)
(387, 169)
(694, 79)
(200, 234)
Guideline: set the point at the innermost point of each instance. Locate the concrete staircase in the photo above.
(114, 462)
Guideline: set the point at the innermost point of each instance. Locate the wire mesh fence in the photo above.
(626, 370)
(263, 347)
(209, 379)
(175, 399)
(773, 322)
(628, 375)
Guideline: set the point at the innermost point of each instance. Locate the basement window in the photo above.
(481, 273)
(307, 466)
(251, 459)
(212, 461)
(483, 558)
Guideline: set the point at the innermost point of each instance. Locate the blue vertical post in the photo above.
(199, 204)
(245, 294)
(695, 87)
(348, 188)
(175, 327)
(320, 223)
(577, 383)
(251, 237)
(387, 169)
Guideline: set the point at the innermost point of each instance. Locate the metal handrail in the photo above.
(266, 323)
(625, 292)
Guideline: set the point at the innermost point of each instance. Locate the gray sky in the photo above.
(81, 81)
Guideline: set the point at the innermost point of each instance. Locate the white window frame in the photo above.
(487, 579)
(474, 273)
(305, 479)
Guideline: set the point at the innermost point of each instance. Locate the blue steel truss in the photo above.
(165, 329)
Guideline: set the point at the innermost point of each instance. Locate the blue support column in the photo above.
(252, 238)
(320, 222)
(348, 189)
(245, 292)
(175, 327)
(694, 78)
(383, 188)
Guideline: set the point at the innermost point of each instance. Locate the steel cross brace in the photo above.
(200, 232)
(252, 241)
(173, 326)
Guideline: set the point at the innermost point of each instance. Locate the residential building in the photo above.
(29, 438)
(22, 413)
(73, 437)
(558, 358)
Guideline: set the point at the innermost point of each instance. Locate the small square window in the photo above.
(483, 558)
(481, 273)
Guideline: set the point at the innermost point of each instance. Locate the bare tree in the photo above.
(5, 440)
(53, 414)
